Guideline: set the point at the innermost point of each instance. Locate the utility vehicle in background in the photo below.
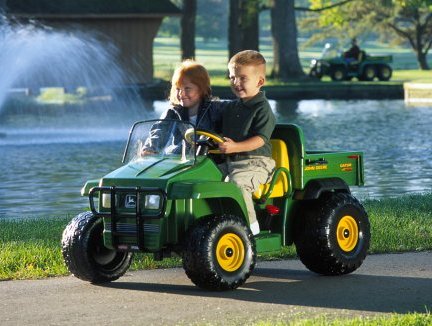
(366, 68)
(172, 199)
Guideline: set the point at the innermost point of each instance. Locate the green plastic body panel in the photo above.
(85, 190)
(307, 165)
(293, 137)
(267, 243)
(347, 166)
(195, 190)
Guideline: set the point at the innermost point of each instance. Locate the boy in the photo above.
(247, 124)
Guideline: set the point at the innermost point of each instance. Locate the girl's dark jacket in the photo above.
(209, 118)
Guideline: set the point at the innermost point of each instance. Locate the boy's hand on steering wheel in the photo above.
(228, 146)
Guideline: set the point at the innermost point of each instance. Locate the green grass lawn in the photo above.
(412, 319)
(214, 56)
(30, 248)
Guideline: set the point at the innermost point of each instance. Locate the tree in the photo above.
(286, 61)
(402, 21)
(212, 19)
(243, 33)
(187, 30)
(284, 31)
(209, 24)
(412, 21)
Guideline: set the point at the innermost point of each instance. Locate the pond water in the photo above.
(48, 152)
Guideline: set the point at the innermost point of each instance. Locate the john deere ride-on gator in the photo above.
(365, 68)
(172, 200)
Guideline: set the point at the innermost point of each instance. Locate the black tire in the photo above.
(84, 252)
(338, 73)
(384, 72)
(219, 253)
(332, 235)
(369, 73)
(314, 74)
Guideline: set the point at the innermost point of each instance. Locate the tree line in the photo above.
(402, 22)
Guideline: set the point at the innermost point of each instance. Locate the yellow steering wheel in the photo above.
(210, 139)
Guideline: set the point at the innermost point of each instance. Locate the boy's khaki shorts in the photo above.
(248, 174)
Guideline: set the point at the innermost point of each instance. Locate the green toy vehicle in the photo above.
(172, 199)
(366, 68)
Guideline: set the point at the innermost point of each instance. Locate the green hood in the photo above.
(157, 172)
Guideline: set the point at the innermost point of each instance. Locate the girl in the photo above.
(190, 97)
(191, 101)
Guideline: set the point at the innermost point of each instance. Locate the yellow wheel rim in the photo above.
(347, 233)
(230, 252)
(338, 75)
(370, 73)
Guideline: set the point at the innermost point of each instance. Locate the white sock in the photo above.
(255, 228)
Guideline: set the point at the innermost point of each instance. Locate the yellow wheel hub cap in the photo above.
(230, 252)
(347, 233)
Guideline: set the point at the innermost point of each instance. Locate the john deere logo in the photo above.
(130, 201)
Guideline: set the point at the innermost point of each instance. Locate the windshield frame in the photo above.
(329, 51)
(191, 155)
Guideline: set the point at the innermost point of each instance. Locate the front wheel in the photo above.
(86, 256)
(332, 236)
(219, 253)
(313, 73)
(338, 73)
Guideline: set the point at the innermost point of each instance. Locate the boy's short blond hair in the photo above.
(247, 58)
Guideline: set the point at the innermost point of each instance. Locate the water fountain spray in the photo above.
(33, 56)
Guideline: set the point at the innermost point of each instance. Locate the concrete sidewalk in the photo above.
(384, 284)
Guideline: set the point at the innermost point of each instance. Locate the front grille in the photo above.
(132, 201)
(132, 228)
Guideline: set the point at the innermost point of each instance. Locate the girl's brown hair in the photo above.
(196, 73)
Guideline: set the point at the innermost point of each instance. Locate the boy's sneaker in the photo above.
(255, 228)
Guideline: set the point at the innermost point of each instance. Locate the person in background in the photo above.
(247, 125)
(353, 53)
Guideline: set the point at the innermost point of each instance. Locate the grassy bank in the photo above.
(412, 319)
(214, 55)
(399, 77)
(30, 248)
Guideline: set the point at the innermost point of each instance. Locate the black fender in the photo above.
(314, 188)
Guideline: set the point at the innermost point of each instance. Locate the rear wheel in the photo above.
(384, 72)
(219, 253)
(86, 256)
(332, 236)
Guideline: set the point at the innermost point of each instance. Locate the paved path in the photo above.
(385, 283)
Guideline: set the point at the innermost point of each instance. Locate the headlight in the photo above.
(152, 202)
(106, 200)
(313, 62)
